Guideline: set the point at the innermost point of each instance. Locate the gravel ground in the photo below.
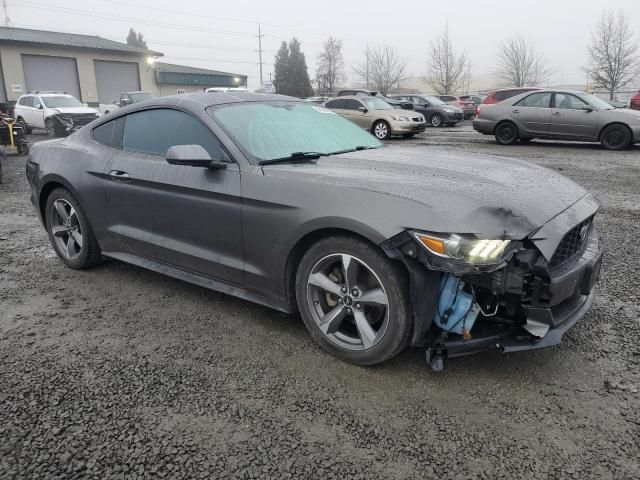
(118, 372)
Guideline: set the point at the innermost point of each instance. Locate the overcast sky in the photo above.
(222, 35)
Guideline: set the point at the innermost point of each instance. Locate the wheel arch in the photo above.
(312, 236)
(502, 122)
(49, 184)
(614, 122)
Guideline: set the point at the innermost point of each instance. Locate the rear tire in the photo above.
(615, 137)
(355, 271)
(506, 133)
(69, 231)
(24, 126)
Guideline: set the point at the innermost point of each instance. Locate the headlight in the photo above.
(464, 248)
(400, 118)
(448, 110)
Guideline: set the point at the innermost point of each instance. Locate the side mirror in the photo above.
(40, 107)
(362, 109)
(193, 156)
(587, 108)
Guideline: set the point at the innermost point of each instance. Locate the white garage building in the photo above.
(93, 69)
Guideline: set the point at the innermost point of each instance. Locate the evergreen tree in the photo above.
(136, 39)
(281, 69)
(292, 76)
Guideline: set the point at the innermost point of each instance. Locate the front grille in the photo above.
(572, 244)
(81, 119)
(416, 119)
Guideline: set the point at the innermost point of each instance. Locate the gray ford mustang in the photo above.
(285, 203)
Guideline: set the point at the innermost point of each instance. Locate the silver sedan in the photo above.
(559, 115)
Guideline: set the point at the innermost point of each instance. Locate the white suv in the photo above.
(57, 112)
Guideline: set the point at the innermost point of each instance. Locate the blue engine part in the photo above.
(457, 310)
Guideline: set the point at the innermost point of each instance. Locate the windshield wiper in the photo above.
(294, 157)
(354, 149)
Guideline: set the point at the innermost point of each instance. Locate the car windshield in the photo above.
(268, 131)
(61, 102)
(139, 97)
(596, 102)
(434, 101)
(374, 103)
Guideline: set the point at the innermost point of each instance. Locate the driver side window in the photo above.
(566, 101)
(36, 102)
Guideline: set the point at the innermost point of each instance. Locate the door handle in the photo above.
(556, 114)
(515, 111)
(119, 176)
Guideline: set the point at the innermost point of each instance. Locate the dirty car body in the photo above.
(246, 226)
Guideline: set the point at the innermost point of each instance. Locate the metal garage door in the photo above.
(113, 78)
(51, 73)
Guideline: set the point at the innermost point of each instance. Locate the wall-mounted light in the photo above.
(150, 60)
(236, 79)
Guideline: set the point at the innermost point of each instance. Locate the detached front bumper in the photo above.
(557, 301)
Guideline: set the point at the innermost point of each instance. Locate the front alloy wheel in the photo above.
(348, 302)
(381, 130)
(353, 300)
(507, 133)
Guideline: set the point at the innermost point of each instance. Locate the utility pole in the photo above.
(259, 53)
(367, 65)
(7, 20)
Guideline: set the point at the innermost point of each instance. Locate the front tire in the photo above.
(354, 300)
(506, 133)
(436, 120)
(381, 130)
(25, 127)
(50, 128)
(69, 231)
(615, 137)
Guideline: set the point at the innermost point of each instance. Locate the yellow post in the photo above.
(10, 123)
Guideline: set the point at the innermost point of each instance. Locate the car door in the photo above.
(25, 110)
(569, 119)
(354, 112)
(36, 114)
(532, 114)
(420, 105)
(185, 216)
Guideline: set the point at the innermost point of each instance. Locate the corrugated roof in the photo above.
(168, 67)
(59, 39)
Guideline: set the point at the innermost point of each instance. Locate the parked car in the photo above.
(477, 99)
(56, 112)
(634, 102)
(559, 115)
(318, 100)
(377, 248)
(372, 93)
(467, 106)
(377, 116)
(436, 112)
(125, 99)
(497, 96)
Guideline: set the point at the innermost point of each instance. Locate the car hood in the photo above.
(442, 191)
(626, 113)
(76, 110)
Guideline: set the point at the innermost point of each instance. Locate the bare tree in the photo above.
(519, 64)
(448, 70)
(613, 53)
(330, 66)
(383, 68)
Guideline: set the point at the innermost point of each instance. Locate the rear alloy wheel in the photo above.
(506, 133)
(615, 137)
(24, 126)
(382, 130)
(436, 120)
(353, 300)
(69, 231)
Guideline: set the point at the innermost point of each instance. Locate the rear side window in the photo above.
(340, 104)
(110, 134)
(536, 100)
(155, 131)
(26, 101)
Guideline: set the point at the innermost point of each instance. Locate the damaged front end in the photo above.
(511, 295)
(63, 124)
